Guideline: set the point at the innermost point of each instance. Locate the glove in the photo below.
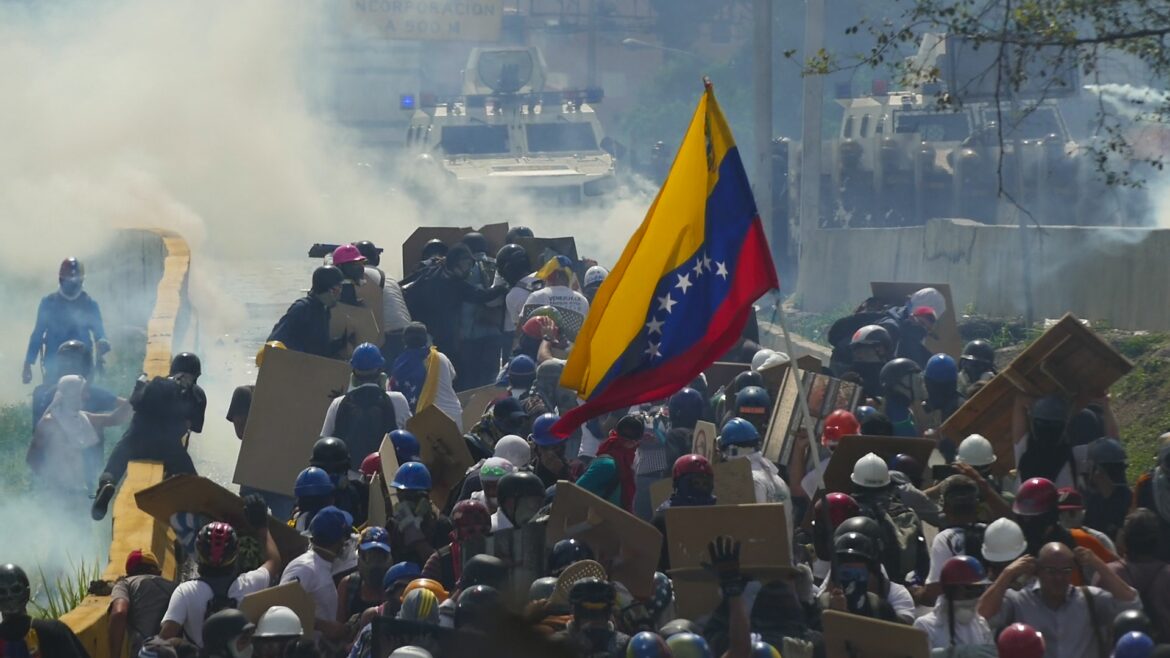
(255, 511)
(724, 563)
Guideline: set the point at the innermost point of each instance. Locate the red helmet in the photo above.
(1020, 641)
(688, 464)
(1035, 497)
(841, 507)
(347, 253)
(471, 514)
(71, 268)
(963, 570)
(216, 545)
(371, 464)
(840, 423)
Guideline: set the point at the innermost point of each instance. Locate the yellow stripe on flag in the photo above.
(431, 386)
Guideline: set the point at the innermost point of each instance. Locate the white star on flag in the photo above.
(652, 350)
(707, 262)
(666, 303)
(684, 282)
(698, 268)
(722, 270)
(654, 327)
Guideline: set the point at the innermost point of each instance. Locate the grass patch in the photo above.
(55, 597)
(1140, 399)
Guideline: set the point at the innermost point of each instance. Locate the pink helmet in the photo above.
(347, 253)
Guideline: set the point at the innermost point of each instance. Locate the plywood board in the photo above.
(764, 550)
(852, 448)
(703, 440)
(1068, 358)
(854, 636)
(377, 515)
(541, 250)
(356, 324)
(199, 495)
(475, 401)
(733, 485)
(293, 392)
(625, 545)
(290, 595)
(443, 450)
(370, 295)
(945, 337)
(721, 373)
(825, 395)
(390, 465)
(413, 246)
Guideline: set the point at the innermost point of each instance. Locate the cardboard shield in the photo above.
(354, 324)
(199, 495)
(370, 295)
(290, 595)
(852, 448)
(522, 549)
(389, 459)
(721, 373)
(703, 441)
(625, 545)
(495, 234)
(475, 402)
(1068, 359)
(764, 550)
(733, 485)
(825, 395)
(377, 506)
(945, 337)
(443, 450)
(293, 392)
(854, 636)
(541, 250)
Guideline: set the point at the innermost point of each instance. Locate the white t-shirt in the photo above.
(315, 574)
(946, 545)
(401, 411)
(572, 305)
(445, 398)
(395, 315)
(189, 601)
(514, 301)
(937, 625)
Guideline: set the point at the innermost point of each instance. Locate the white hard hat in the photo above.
(1003, 541)
(766, 358)
(595, 274)
(871, 471)
(411, 652)
(929, 297)
(514, 449)
(279, 621)
(494, 469)
(976, 451)
(760, 357)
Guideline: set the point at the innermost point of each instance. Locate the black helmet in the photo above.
(751, 398)
(222, 628)
(483, 569)
(186, 362)
(14, 589)
(512, 261)
(542, 588)
(74, 358)
(896, 377)
(325, 277)
(592, 592)
(861, 525)
(979, 351)
(330, 454)
(517, 232)
(520, 484)
(1130, 621)
(475, 242)
(566, 552)
(434, 248)
(745, 379)
(477, 607)
(372, 254)
(854, 545)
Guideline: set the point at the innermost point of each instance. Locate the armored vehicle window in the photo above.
(474, 140)
(935, 127)
(549, 137)
(865, 126)
(1037, 124)
(847, 129)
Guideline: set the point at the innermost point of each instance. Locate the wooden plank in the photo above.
(825, 395)
(475, 401)
(733, 485)
(721, 373)
(442, 449)
(1068, 358)
(852, 448)
(945, 337)
(854, 636)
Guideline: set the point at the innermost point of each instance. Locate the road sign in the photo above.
(427, 20)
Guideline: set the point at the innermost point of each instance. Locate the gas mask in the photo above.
(854, 583)
(964, 611)
(71, 287)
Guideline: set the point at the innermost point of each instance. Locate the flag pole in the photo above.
(802, 398)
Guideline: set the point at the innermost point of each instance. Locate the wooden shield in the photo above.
(290, 595)
(854, 636)
(733, 485)
(443, 450)
(852, 448)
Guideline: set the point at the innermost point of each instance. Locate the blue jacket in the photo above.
(305, 328)
(60, 320)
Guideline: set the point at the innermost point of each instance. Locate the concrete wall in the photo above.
(1113, 274)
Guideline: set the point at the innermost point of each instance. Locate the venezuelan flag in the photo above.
(680, 294)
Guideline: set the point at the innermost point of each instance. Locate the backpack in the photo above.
(219, 594)
(902, 541)
(364, 417)
(973, 541)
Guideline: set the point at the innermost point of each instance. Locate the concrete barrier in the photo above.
(144, 260)
(1110, 274)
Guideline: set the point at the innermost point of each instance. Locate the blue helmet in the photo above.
(405, 446)
(647, 645)
(412, 476)
(689, 645)
(367, 357)
(1134, 644)
(403, 572)
(738, 432)
(761, 649)
(522, 364)
(941, 368)
(313, 481)
(864, 412)
(541, 435)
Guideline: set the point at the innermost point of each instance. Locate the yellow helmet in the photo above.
(433, 586)
(274, 344)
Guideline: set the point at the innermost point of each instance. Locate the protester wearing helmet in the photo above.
(903, 391)
(551, 462)
(305, 325)
(975, 459)
(519, 375)
(878, 582)
(514, 269)
(869, 349)
(724, 399)
(278, 629)
(1003, 544)
(362, 589)
(417, 527)
(906, 478)
(314, 490)
(559, 292)
(503, 417)
(685, 409)
(393, 588)
(941, 377)
(471, 521)
(591, 631)
(67, 314)
(594, 277)
(367, 412)
(693, 486)
(962, 535)
(1107, 494)
(352, 263)
(330, 532)
(954, 623)
(1041, 448)
(1141, 568)
(227, 634)
(491, 471)
(481, 338)
(220, 584)
(848, 588)
(739, 439)
(1071, 508)
(22, 635)
(1152, 491)
(1077, 619)
(915, 324)
(73, 358)
(137, 602)
(878, 499)
(611, 474)
(976, 366)
(521, 496)
(753, 405)
(332, 455)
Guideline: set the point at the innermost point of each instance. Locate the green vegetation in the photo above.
(55, 597)
(1140, 398)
